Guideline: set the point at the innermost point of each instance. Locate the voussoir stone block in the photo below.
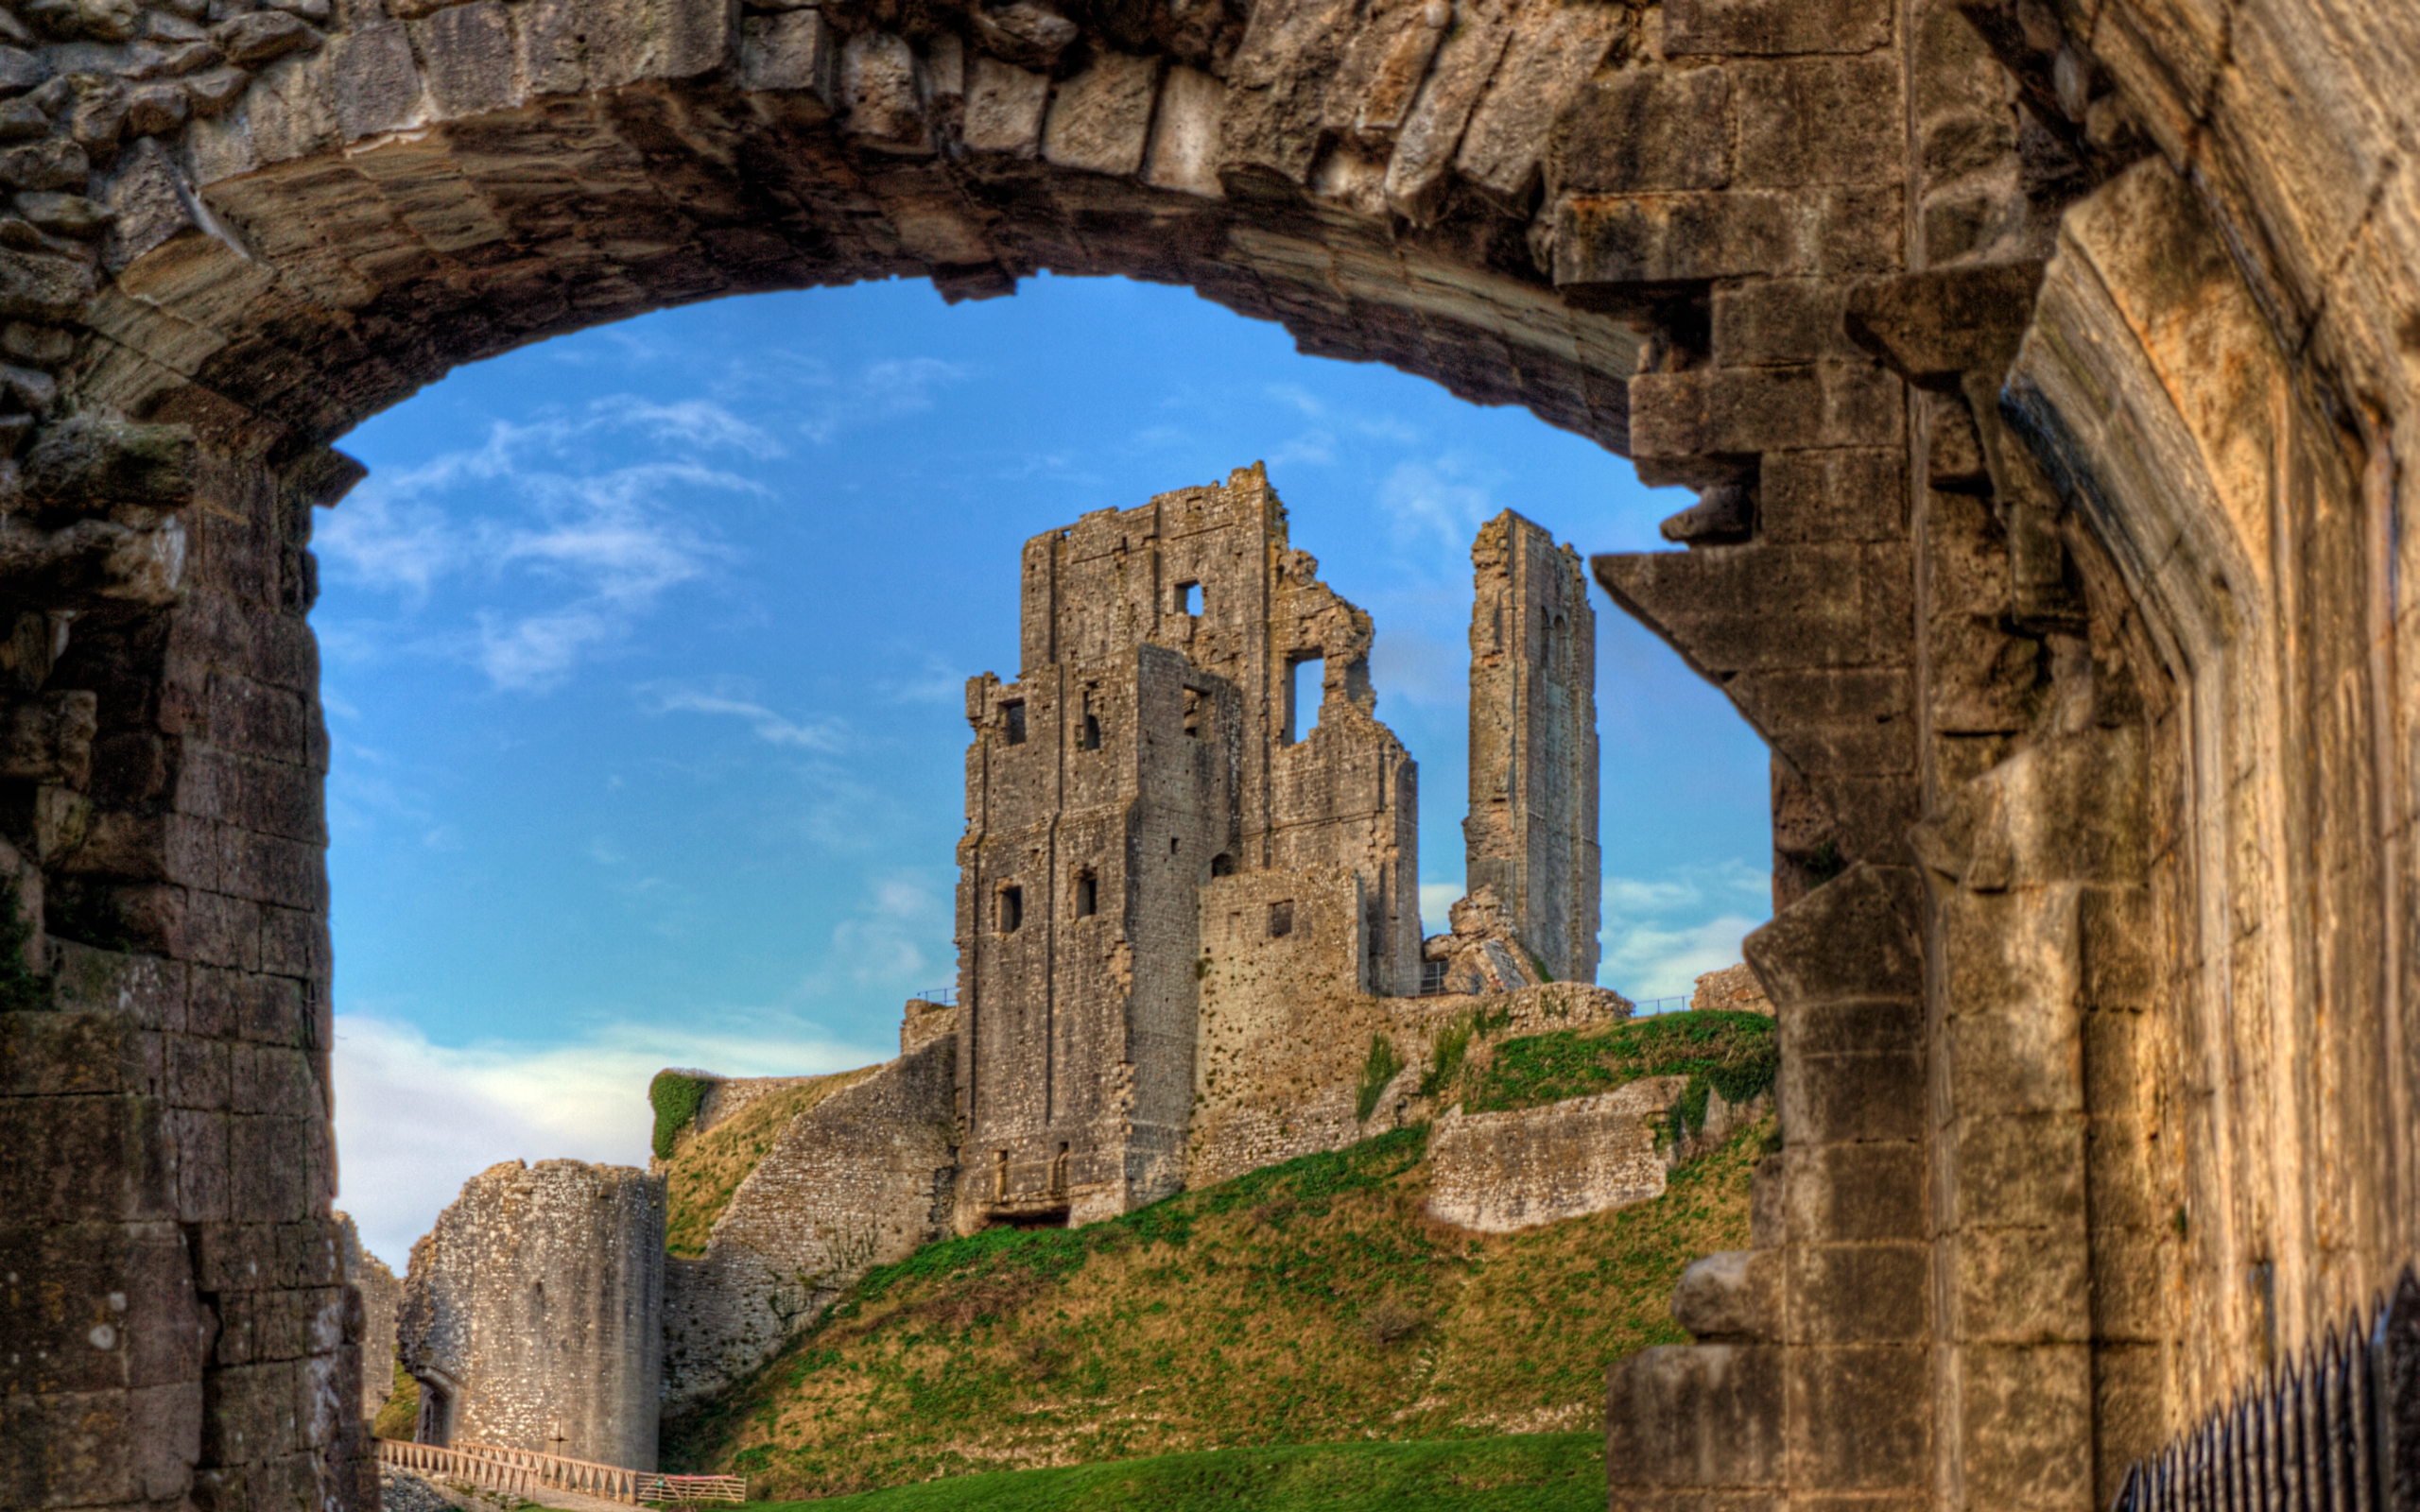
(1696, 1417)
(1850, 939)
(1617, 240)
(1775, 27)
(1099, 121)
(1734, 1296)
(1642, 131)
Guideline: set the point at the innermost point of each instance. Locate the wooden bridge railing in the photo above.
(523, 1473)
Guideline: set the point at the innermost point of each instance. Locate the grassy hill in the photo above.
(1530, 1472)
(1309, 1302)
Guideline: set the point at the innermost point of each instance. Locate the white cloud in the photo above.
(1444, 499)
(1437, 900)
(936, 681)
(1297, 396)
(414, 1120)
(689, 422)
(1644, 961)
(880, 390)
(604, 546)
(729, 699)
(1419, 668)
(1660, 933)
(898, 937)
(1310, 449)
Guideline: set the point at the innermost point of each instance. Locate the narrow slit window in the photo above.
(1013, 717)
(1059, 1170)
(1305, 685)
(1011, 909)
(1188, 599)
(1087, 895)
(1088, 736)
(1281, 918)
(1000, 1177)
(1196, 713)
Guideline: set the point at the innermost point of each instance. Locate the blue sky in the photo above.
(644, 653)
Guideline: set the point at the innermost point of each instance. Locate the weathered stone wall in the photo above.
(724, 1097)
(2147, 990)
(382, 1297)
(1733, 990)
(532, 1313)
(1281, 1060)
(860, 1179)
(1532, 831)
(1495, 1172)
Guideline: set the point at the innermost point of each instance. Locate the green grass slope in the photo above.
(1530, 1472)
(1308, 1303)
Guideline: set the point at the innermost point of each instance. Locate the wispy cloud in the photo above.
(1444, 501)
(1660, 933)
(604, 546)
(934, 681)
(880, 390)
(416, 1120)
(730, 698)
(898, 938)
(1297, 396)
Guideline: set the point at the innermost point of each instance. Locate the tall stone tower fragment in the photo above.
(1531, 833)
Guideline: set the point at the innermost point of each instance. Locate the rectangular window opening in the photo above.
(1088, 737)
(1011, 909)
(1000, 1177)
(1189, 599)
(1281, 918)
(1196, 713)
(1012, 717)
(1087, 895)
(1305, 685)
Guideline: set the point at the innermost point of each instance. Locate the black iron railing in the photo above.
(2334, 1430)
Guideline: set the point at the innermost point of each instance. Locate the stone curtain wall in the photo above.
(382, 1297)
(860, 1179)
(1495, 1172)
(536, 1307)
(2172, 1068)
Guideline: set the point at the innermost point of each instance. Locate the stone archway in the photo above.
(2074, 621)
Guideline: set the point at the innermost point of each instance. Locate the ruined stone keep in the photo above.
(1150, 771)
(2046, 372)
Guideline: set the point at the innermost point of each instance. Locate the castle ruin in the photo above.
(2051, 407)
(1188, 901)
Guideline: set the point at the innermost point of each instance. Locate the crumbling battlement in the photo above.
(859, 1179)
(532, 1313)
(382, 1297)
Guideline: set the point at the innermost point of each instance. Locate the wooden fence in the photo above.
(525, 1474)
(2336, 1429)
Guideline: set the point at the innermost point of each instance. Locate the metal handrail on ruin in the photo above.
(523, 1472)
